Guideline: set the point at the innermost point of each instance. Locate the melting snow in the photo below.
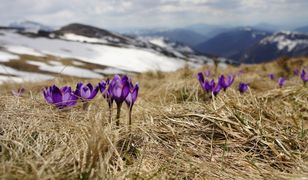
(6, 57)
(75, 37)
(110, 71)
(129, 59)
(66, 70)
(23, 50)
(20, 76)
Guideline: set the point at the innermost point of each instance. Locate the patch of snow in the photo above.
(158, 41)
(23, 50)
(129, 59)
(75, 37)
(66, 70)
(4, 79)
(21, 76)
(283, 42)
(110, 70)
(6, 57)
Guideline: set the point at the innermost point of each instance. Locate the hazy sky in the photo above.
(115, 14)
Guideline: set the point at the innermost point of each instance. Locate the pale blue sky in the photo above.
(155, 13)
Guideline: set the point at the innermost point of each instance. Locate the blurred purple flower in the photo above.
(243, 87)
(61, 98)
(271, 76)
(207, 73)
(281, 81)
(19, 92)
(296, 72)
(225, 83)
(86, 92)
(304, 76)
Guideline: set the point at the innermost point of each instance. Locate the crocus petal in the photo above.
(90, 86)
(125, 90)
(102, 86)
(200, 77)
(47, 95)
(135, 92)
(56, 95)
(85, 92)
(94, 92)
(217, 89)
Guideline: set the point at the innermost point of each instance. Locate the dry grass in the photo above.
(177, 133)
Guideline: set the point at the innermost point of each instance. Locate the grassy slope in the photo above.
(176, 132)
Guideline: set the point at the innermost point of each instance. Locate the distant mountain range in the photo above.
(184, 36)
(280, 44)
(232, 43)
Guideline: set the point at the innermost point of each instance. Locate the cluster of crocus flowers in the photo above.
(118, 90)
(213, 87)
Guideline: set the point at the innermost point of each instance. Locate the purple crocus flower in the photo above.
(61, 98)
(118, 90)
(281, 81)
(131, 99)
(304, 76)
(243, 87)
(225, 83)
(205, 84)
(271, 76)
(132, 95)
(19, 92)
(86, 92)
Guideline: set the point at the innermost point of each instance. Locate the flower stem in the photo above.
(119, 105)
(110, 111)
(85, 106)
(130, 116)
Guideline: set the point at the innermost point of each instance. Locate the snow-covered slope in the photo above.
(110, 54)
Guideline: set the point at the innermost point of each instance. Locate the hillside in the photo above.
(177, 133)
(84, 51)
